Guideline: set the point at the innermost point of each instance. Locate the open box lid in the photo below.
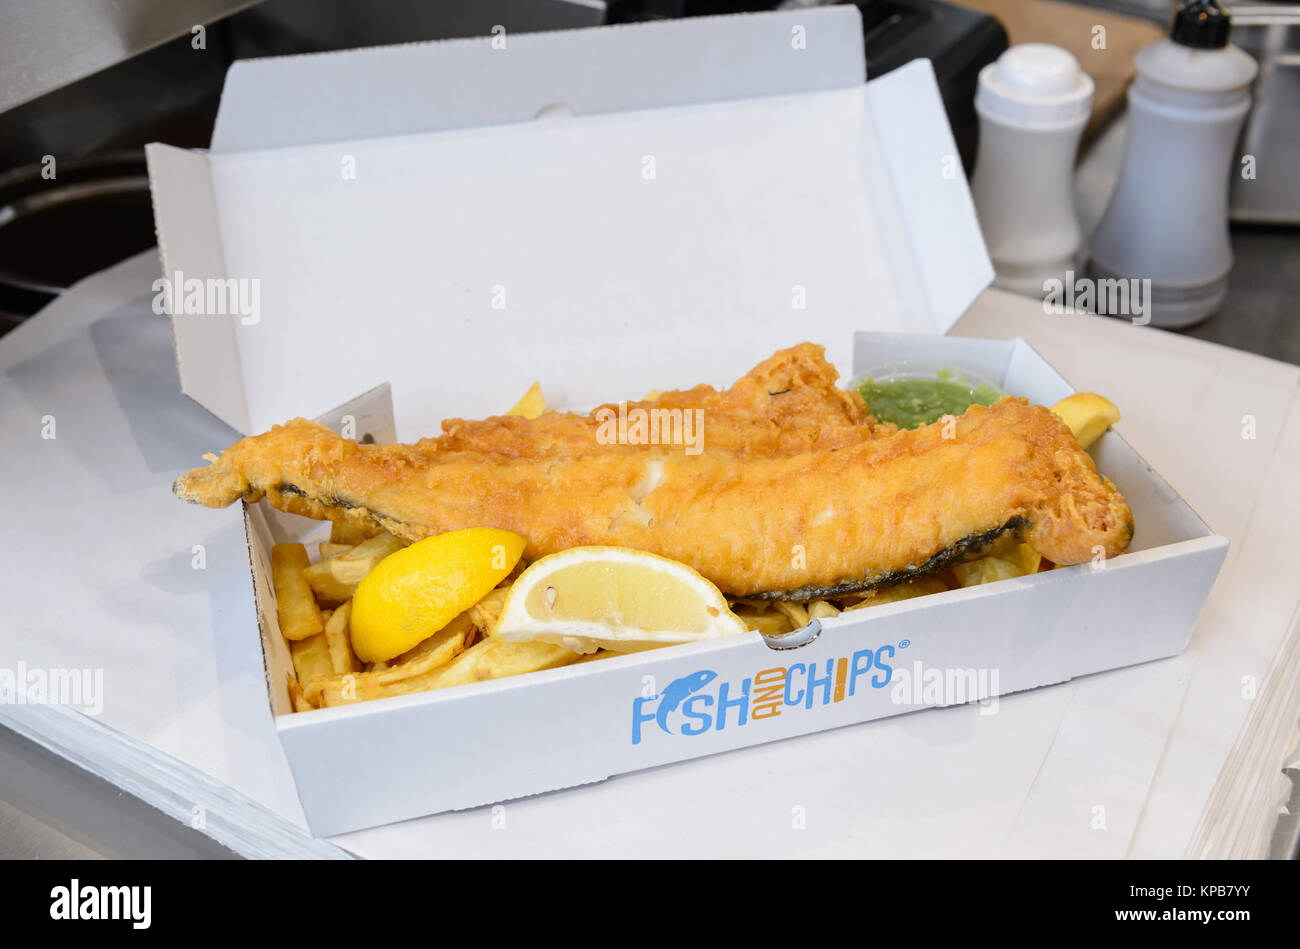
(608, 210)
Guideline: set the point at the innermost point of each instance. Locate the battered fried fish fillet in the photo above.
(877, 508)
(787, 404)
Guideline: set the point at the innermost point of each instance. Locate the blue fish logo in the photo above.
(677, 692)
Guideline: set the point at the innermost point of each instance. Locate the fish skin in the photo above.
(861, 512)
(677, 692)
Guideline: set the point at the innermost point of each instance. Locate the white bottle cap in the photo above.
(1034, 85)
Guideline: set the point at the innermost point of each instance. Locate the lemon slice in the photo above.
(1088, 415)
(415, 592)
(589, 598)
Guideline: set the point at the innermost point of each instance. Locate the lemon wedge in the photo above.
(1088, 415)
(589, 598)
(415, 592)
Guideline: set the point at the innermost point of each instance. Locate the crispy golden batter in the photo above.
(786, 404)
(773, 507)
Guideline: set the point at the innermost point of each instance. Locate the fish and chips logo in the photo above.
(697, 703)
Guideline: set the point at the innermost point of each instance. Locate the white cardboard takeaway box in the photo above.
(725, 187)
(387, 760)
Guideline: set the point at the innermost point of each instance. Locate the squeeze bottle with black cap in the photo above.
(1167, 220)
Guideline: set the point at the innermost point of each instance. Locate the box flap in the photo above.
(608, 252)
(207, 356)
(605, 255)
(936, 210)
(427, 87)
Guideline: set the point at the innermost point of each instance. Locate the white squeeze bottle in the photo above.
(1167, 220)
(1033, 104)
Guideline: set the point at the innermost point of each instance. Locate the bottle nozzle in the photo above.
(1201, 24)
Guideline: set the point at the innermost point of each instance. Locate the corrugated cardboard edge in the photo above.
(264, 609)
(206, 350)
